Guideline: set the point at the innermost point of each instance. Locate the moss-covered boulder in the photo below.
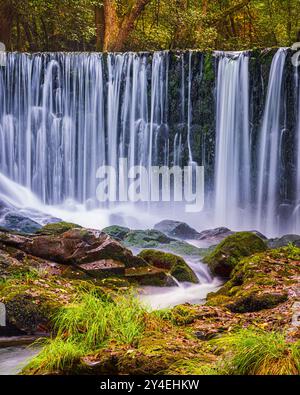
(31, 300)
(261, 281)
(255, 301)
(229, 252)
(173, 264)
(149, 276)
(140, 239)
(57, 228)
(116, 231)
(146, 238)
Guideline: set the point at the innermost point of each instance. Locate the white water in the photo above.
(296, 214)
(269, 154)
(232, 173)
(160, 298)
(64, 115)
(14, 359)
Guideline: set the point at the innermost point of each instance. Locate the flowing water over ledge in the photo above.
(62, 115)
(161, 298)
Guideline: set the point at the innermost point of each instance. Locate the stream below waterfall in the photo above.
(13, 359)
(161, 298)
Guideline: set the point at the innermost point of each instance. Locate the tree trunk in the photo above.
(99, 23)
(116, 30)
(111, 25)
(6, 22)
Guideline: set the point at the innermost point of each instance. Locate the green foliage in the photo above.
(87, 325)
(293, 252)
(253, 352)
(166, 24)
(56, 355)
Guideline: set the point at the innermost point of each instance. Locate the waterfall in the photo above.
(232, 171)
(296, 214)
(62, 115)
(269, 154)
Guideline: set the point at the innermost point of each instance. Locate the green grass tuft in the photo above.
(87, 325)
(252, 352)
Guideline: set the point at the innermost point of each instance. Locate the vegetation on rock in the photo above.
(57, 228)
(260, 281)
(228, 253)
(173, 264)
(89, 323)
(98, 326)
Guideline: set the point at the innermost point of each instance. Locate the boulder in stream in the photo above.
(284, 241)
(177, 229)
(228, 253)
(172, 264)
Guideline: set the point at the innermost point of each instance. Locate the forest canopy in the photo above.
(140, 25)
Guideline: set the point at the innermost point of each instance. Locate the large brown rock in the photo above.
(75, 246)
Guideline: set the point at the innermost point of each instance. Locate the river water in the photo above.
(13, 359)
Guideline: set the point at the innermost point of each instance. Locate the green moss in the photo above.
(196, 366)
(57, 228)
(173, 264)
(150, 276)
(146, 238)
(209, 74)
(229, 252)
(253, 301)
(217, 300)
(258, 282)
(116, 232)
(183, 315)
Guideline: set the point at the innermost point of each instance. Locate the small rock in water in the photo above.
(215, 235)
(284, 241)
(19, 223)
(177, 229)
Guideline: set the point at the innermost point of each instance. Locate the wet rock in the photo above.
(228, 253)
(116, 231)
(259, 234)
(284, 241)
(19, 223)
(261, 281)
(140, 239)
(214, 236)
(150, 276)
(205, 336)
(76, 246)
(173, 264)
(57, 228)
(177, 229)
(146, 238)
(254, 301)
(104, 268)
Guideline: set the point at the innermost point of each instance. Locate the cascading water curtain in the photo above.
(63, 115)
(296, 213)
(233, 151)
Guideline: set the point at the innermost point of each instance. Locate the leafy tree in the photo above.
(120, 25)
